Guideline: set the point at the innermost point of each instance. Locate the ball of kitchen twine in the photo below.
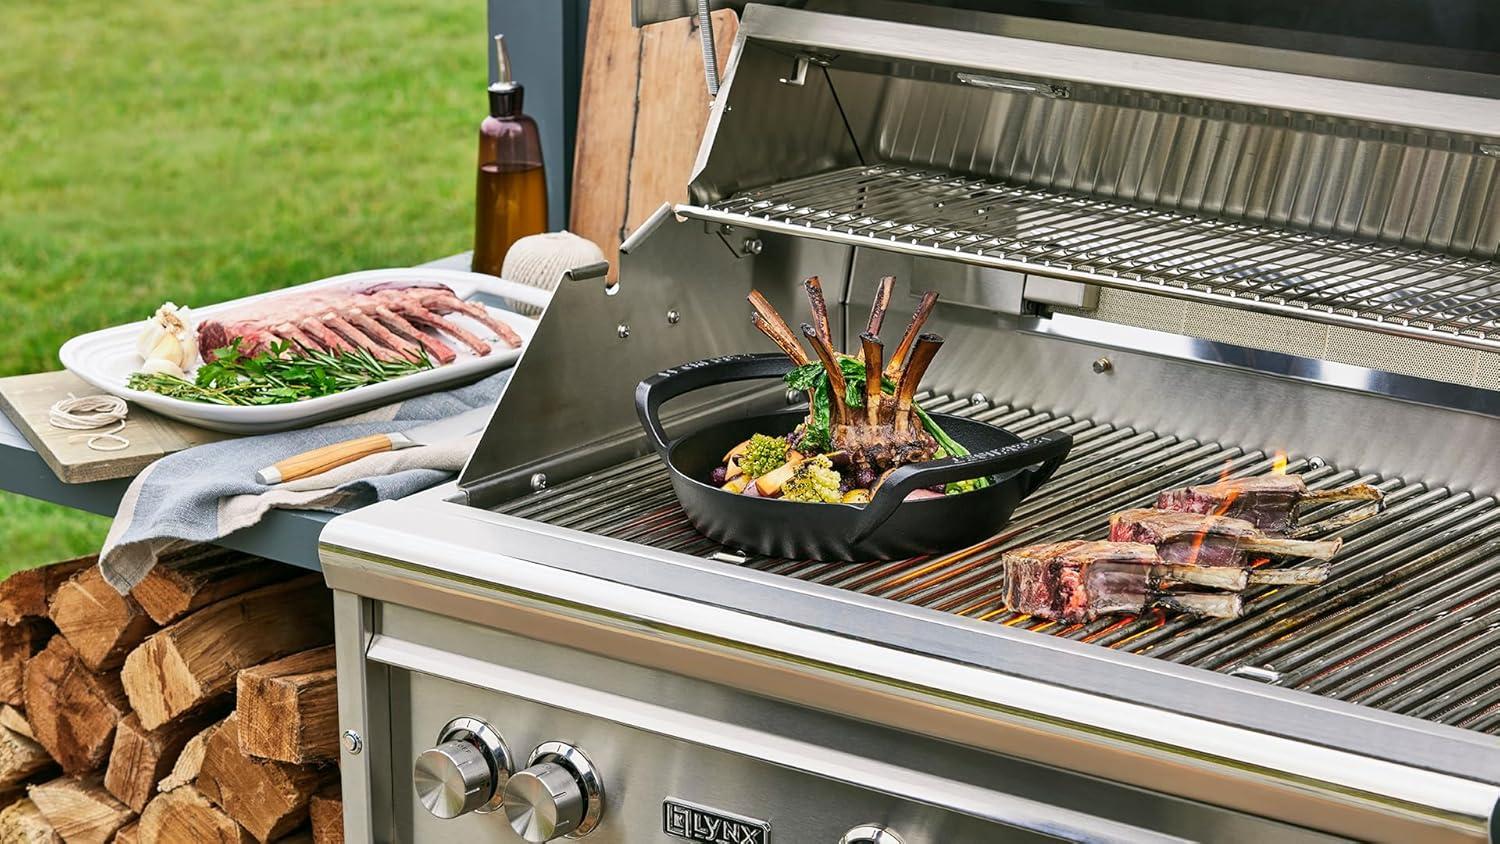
(540, 260)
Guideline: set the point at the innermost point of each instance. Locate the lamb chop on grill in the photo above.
(1269, 502)
(880, 432)
(1079, 580)
(1215, 541)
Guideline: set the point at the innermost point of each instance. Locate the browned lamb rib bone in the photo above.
(919, 317)
(380, 334)
(1209, 540)
(911, 376)
(874, 396)
(436, 349)
(819, 311)
(881, 303)
(830, 361)
(441, 300)
(769, 321)
(1270, 502)
(358, 338)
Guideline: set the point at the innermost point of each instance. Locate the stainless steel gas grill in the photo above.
(1198, 257)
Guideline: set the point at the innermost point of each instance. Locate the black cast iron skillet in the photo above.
(888, 527)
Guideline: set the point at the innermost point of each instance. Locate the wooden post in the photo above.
(177, 586)
(184, 814)
(142, 757)
(24, 594)
(81, 810)
(73, 711)
(268, 798)
(288, 708)
(327, 812)
(18, 643)
(100, 623)
(22, 823)
(190, 663)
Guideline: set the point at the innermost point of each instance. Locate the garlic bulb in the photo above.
(169, 336)
(152, 366)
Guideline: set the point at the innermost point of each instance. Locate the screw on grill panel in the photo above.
(622, 331)
(352, 742)
(673, 317)
(538, 481)
(1103, 365)
(1401, 573)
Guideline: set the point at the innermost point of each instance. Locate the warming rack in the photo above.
(1409, 620)
(1374, 286)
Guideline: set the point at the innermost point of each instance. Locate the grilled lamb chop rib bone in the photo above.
(1078, 581)
(1269, 502)
(1220, 541)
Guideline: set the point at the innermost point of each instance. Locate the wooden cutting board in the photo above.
(26, 400)
(641, 114)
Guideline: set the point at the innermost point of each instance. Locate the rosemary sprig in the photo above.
(279, 375)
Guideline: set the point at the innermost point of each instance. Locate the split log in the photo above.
(129, 833)
(288, 708)
(100, 623)
(327, 812)
(141, 757)
(13, 719)
(177, 586)
(19, 642)
(268, 798)
(80, 810)
(188, 664)
(184, 814)
(20, 759)
(73, 711)
(189, 761)
(25, 593)
(22, 823)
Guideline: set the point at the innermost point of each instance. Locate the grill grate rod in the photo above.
(1409, 621)
(1387, 288)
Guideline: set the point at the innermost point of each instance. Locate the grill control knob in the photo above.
(870, 834)
(559, 794)
(465, 772)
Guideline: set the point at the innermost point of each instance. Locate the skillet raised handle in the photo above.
(1041, 456)
(668, 384)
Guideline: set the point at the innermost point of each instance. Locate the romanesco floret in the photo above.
(763, 454)
(814, 481)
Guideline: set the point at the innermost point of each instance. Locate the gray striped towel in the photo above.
(208, 492)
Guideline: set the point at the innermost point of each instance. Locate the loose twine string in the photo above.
(89, 412)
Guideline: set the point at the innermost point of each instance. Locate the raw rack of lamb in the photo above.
(391, 320)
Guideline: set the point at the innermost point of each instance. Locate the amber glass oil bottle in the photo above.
(511, 192)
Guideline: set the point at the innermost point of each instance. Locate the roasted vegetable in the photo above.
(770, 483)
(814, 481)
(762, 454)
(857, 496)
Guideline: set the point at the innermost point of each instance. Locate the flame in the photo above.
(1202, 535)
(1278, 463)
(1224, 472)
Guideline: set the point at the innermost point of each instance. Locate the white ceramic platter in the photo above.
(105, 359)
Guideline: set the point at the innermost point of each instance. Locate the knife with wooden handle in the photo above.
(320, 460)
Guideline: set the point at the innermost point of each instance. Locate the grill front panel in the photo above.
(1409, 620)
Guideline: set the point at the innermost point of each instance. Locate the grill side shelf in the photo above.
(1370, 286)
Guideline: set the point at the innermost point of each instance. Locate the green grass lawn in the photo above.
(200, 150)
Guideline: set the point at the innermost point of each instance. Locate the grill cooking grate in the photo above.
(1371, 285)
(1409, 620)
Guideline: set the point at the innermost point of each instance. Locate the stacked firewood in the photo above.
(202, 707)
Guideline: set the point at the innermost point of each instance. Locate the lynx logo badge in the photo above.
(703, 825)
